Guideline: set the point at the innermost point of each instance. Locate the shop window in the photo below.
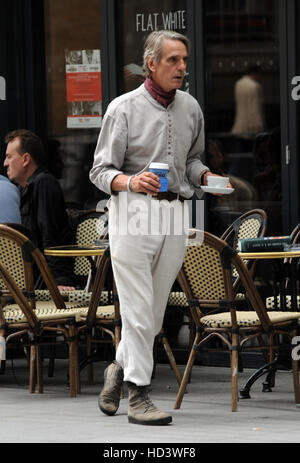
(136, 19)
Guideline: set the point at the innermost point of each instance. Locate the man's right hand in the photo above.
(146, 182)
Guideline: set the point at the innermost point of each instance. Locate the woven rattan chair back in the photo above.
(252, 224)
(11, 258)
(90, 227)
(205, 285)
(19, 254)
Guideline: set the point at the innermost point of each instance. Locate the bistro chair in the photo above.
(252, 224)
(99, 315)
(206, 279)
(37, 321)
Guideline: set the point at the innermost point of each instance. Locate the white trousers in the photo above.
(146, 258)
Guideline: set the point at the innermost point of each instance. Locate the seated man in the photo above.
(42, 201)
(10, 202)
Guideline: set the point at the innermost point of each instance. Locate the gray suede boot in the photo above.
(141, 410)
(109, 398)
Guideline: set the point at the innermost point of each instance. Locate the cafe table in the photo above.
(286, 283)
(284, 268)
(76, 250)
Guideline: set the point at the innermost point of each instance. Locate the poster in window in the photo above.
(84, 92)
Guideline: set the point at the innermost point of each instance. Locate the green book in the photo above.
(268, 243)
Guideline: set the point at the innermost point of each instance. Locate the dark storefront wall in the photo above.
(226, 36)
(21, 68)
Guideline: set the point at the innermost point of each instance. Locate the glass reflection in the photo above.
(243, 108)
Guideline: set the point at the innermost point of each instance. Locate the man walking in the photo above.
(154, 123)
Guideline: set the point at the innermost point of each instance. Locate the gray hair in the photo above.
(154, 43)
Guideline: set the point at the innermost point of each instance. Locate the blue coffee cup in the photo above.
(161, 170)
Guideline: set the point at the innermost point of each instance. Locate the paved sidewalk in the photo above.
(204, 417)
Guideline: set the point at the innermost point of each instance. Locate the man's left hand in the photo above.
(210, 174)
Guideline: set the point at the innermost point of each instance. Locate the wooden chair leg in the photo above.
(74, 372)
(90, 363)
(171, 358)
(32, 368)
(186, 375)
(39, 370)
(192, 333)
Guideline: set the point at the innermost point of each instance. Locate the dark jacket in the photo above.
(43, 212)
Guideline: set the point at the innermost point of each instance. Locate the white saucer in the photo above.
(222, 191)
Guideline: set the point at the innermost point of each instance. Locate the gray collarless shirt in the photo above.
(137, 130)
